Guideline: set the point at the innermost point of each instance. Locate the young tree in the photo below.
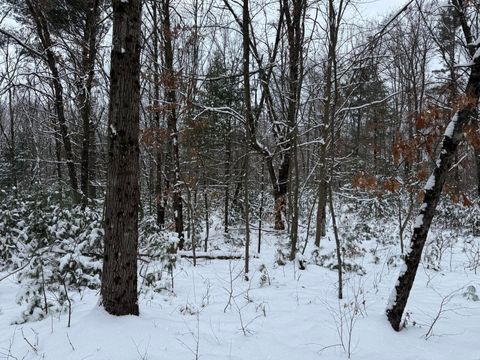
(172, 122)
(89, 53)
(249, 116)
(37, 11)
(119, 278)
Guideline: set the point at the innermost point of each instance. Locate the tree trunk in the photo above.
(13, 160)
(260, 210)
(477, 162)
(249, 117)
(280, 197)
(330, 104)
(294, 24)
(338, 246)
(160, 206)
(247, 215)
(321, 210)
(207, 217)
(89, 53)
(433, 189)
(294, 202)
(170, 96)
(119, 277)
(44, 35)
(228, 156)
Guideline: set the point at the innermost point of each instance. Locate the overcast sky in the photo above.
(374, 8)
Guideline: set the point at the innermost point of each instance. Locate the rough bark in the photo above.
(119, 278)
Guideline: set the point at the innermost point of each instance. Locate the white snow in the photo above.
(476, 55)
(430, 183)
(296, 316)
(391, 299)
(418, 221)
(451, 126)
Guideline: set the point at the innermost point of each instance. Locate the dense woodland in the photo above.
(140, 132)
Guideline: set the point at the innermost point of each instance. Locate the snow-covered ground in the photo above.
(279, 313)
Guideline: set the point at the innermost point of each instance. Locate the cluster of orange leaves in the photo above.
(456, 197)
(370, 183)
(472, 134)
(429, 126)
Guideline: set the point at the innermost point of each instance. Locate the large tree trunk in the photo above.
(433, 189)
(119, 278)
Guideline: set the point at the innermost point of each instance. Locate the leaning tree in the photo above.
(465, 112)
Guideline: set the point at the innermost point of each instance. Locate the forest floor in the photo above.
(280, 313)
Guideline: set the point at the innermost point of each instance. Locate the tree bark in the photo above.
(119, 278)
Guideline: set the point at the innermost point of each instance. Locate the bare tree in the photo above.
(170, 82)
(43, 32)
